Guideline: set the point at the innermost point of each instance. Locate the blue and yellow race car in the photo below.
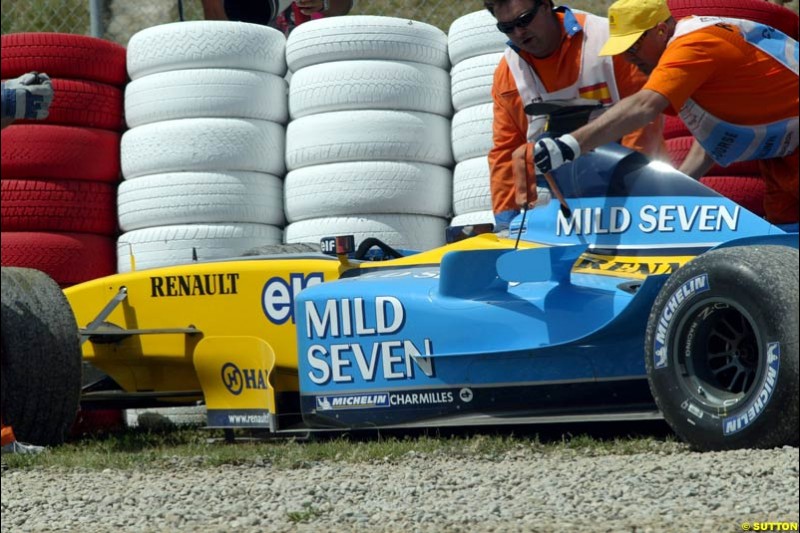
(642, 294)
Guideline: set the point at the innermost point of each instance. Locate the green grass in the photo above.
(139, 449)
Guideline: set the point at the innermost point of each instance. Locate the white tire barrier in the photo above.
(366, 37)
(472, 132)
(476, 217)
(206, 44)
(473, 35)
(472, 80)
(176, 245)
(364, 187)
(353, 85)
(368, 136)
(203, 144)
(471, 187)
(200, 197)
(205, 93)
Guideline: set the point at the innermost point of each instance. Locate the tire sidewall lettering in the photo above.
(677, 301)
(731, 377)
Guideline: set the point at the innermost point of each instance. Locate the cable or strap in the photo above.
(521, 225)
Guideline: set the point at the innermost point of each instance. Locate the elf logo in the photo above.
(278, 296)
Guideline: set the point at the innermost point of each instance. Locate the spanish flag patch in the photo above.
(598, 91)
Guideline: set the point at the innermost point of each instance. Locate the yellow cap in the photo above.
(629, 19)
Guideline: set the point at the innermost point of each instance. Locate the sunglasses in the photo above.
(521, 21)
(634, 48)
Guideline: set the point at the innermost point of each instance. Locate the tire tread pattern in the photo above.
(63, 55)
(41, 358)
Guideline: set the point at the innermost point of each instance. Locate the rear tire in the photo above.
(41, 358)
(721, 349)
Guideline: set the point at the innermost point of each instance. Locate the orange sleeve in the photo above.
(728, 77)
(650, 139)
(509, 131)
(685, 65)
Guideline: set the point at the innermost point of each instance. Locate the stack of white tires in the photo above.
(203, 161)
(475, 47)
(368, 146)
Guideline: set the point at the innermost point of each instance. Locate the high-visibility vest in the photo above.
(596, 79)
(727, 142)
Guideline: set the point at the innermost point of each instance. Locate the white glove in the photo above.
(28, 96)
(552, 153)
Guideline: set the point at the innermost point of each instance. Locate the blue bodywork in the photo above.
(514, 332)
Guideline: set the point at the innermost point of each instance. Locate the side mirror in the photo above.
(341, 245)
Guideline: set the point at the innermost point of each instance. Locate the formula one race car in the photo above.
(648, 295)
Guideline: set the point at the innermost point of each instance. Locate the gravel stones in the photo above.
(523, 490)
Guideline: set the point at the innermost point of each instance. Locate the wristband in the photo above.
(326, 5)
(572, 142)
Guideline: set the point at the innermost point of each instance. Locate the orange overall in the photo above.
(741, 84)
(559, 70)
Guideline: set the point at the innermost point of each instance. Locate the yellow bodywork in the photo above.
(220, 299)
(224, 332)
(232, 304)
